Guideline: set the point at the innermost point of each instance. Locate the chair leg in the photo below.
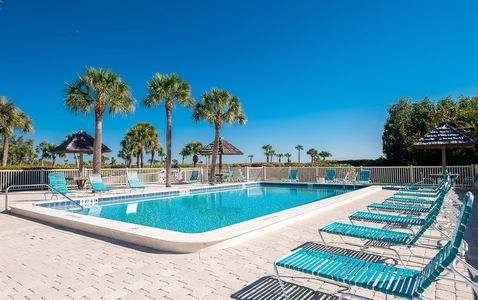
(282, 286)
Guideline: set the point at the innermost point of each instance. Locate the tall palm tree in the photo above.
(267, 148)
(11, 119)
(195, 148)
(99, 90)
(299, 148)
(168, 89)
(313, 154)
(251, 156)
(218, 107)
(288, 156)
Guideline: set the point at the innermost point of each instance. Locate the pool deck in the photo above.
(43, 261)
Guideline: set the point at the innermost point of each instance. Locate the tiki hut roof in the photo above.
(225, 148)
(80, 142)
(444, 136)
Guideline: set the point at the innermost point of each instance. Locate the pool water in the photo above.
(208, 211)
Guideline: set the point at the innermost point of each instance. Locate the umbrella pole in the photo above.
(443, 159)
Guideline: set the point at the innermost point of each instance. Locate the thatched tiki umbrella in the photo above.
(443, 137)
(81, 143)
(225, 148)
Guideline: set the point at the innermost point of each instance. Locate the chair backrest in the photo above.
(448, 253)
(96, 181)
(194, 175)
(293, 174)
(241, 174)
(58, 182)
(364, 175)
(430, 218)
(329, 174)
(133, 179)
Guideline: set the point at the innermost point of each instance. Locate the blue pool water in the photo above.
(207, 211)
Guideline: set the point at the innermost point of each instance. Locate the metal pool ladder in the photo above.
(38, 185)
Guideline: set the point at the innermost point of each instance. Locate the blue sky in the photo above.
(318, 73)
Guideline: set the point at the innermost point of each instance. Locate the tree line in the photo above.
(408, 120)
(314, 154)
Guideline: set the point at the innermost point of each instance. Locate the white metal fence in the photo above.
(379, 175)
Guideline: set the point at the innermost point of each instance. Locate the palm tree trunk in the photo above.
(53, 158)
(5, 150)
(215, 149)
(169, 111)
(299, 155)
(130, 159)
(152, 158)
(142, 157)
(137, 160)
(98, 143)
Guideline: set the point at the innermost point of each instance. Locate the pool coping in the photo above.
(179, 242)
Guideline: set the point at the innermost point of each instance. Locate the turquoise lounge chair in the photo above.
(391, 237)
(97, 184)
(228, 177)
(329, 175)
(412, 205)
(410, 200)
(133, 181)
(241, 175)
(293, 176)
(396, 220)
(387, 279)
(427, 188)
(194, 178)
(470, 180)
(364, 177)
(58, 182)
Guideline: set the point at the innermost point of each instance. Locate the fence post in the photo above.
(247, 173)
(316, 174)
(412, 174)
(264, 177)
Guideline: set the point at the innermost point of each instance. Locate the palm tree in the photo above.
(195, 148)
(185, 152)
(280, 156)
(267, 148)
(99, 89)
(299, 148)
(251, 156)
(218, 107)
(272, 153)
(141, 136)
(288, 156)
(313, 154)
(324, 154)
(168, 89)
(127, 150)
(44, 151)
(153, 147)
(53, 154)
(11, 119)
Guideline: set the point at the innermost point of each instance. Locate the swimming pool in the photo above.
(211, 210)
(189, 218)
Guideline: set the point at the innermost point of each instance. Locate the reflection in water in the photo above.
(205, 212)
